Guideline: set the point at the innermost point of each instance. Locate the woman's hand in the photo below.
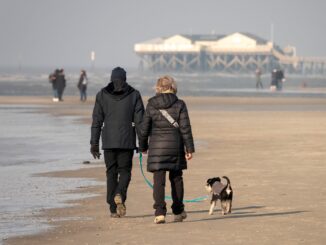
(188, 156)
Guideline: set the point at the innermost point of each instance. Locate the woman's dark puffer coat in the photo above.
(167, 144)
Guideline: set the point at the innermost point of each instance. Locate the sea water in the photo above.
(32, 143)
(35, 83)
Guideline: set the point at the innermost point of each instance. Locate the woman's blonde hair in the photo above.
(166, 84)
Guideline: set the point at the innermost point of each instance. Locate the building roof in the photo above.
(215, 37)
(203, 37)
(207, 37)
(234, 42)
(259, 40)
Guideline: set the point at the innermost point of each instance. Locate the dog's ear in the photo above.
(210, 181)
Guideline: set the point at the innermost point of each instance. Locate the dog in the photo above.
(222, 192)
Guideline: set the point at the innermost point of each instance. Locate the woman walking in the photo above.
(52, 79)
(166, 123)
(82, 85)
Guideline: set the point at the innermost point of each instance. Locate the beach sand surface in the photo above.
(272, 149)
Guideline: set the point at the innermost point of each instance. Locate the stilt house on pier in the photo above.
(235, 53)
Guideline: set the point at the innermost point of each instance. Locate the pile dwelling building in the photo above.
(235, 53)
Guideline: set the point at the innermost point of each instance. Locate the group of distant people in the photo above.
(58, 81)
(277, 79)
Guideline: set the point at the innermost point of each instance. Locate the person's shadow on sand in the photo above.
(198, 211)
(218, 210)
(237, 213)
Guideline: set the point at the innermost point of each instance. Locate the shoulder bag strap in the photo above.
(169, 118)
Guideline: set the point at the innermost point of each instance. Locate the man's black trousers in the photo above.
(176, 189)
(118, 174)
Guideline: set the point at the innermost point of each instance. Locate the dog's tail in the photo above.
(227, 179)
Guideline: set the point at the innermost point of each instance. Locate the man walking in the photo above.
(60, 83)
(280, 79)
(120, 108)
(259, 84)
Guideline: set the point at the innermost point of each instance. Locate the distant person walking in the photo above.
(280, 79)
(119, 107)
(259, 83)
(166, 123)
(60, 81)
(82, 85)
(273, 86)
(52, 80)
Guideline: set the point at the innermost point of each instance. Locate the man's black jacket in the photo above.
(116, 114)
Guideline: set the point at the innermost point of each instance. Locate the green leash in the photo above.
(198, 199)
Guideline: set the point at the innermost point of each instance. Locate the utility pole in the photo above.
(92, 60)
(272, 33)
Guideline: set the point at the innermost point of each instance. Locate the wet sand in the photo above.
(273, 150)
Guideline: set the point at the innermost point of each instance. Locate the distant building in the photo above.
(235, 53)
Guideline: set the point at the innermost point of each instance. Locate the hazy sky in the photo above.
(64, 32)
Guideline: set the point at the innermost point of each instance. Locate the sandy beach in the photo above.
(272, 148)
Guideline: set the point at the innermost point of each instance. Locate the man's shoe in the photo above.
(159, 219)
(180, 217)
(115, 215)
(121, 208)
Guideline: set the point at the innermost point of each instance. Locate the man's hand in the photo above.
(95, 151)
(188, 156)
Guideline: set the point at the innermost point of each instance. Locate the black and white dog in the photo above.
(222, 192)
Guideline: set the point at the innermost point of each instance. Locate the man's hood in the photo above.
(119, 94)
(163, 101)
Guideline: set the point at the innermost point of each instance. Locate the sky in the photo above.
(61, 33)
